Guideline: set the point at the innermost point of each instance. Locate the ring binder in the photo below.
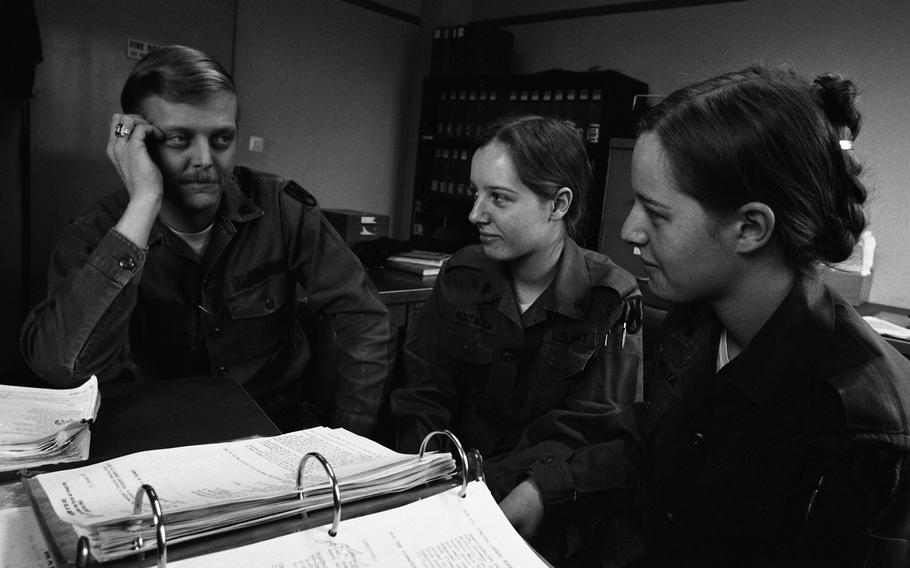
(382, 480)
(157, 520)
(336, 492)
(461, 454)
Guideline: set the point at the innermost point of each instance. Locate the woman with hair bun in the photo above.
(776, 430)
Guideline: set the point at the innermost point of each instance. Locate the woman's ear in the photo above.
(755, 225)
(562, 200)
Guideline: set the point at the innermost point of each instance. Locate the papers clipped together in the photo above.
(45, 426)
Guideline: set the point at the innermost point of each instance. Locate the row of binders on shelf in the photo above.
(463, 112)
(420, 262)
(213, 504)
(451, 171)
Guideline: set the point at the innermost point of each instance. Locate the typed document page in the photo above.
(191, 478)
(442, 531)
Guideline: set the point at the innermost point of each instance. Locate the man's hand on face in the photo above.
(128, 150)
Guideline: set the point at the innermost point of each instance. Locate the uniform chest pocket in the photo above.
(261, 299)
(566, 359)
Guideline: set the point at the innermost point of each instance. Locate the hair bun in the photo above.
(837, 96)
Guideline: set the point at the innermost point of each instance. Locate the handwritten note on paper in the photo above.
(443, 531)
(21, 543)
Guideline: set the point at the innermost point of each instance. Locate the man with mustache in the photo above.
(193, 268)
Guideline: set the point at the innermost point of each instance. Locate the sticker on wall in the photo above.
(137, 48)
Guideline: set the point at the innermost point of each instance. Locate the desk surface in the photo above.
(179, 412)
(150, 415)
(397, 287)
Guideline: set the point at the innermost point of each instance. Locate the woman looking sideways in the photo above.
(526, 323)
(776, 433)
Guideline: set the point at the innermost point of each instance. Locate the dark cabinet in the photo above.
(601, 104)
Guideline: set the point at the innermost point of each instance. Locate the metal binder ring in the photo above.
(157, 520)
(82, 552)
(478, 459)
(336, 493)
(461, 454)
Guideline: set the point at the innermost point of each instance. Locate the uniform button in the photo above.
(698, 439)
(669, 518)
(222, 370)
(508, 356)
(127, 263)
(269, 303)
(546, 459)
(216, 331)
(464, 348)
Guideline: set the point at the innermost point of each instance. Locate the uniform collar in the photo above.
(235, 207)
(569, 293)
(776, 369)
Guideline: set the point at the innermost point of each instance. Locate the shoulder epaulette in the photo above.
(293, 189)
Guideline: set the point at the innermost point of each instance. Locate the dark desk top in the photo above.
(150, 415)
(163, 414)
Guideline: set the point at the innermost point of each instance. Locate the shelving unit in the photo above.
(599, 103)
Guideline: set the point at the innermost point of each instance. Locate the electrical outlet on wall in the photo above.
(256, 143)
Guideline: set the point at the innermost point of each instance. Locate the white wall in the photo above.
(328, 85)
(867, 41)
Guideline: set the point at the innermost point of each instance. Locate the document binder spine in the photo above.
(336, 492)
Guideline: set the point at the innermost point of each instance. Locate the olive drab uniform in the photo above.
(795, 453)
(114, 309)
(477, 366)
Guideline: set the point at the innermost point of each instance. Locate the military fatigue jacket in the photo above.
(161, 312)
(793, 454)
(478, 367)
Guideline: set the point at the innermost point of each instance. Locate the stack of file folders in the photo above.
(420, 262)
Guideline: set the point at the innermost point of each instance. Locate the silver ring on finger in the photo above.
(121, 131)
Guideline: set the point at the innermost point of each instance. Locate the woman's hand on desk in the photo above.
(523, 506)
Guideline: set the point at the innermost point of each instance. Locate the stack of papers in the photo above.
(443, 530)
(45, 426)
(210, 489)
(884, 327)
(420, 262)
